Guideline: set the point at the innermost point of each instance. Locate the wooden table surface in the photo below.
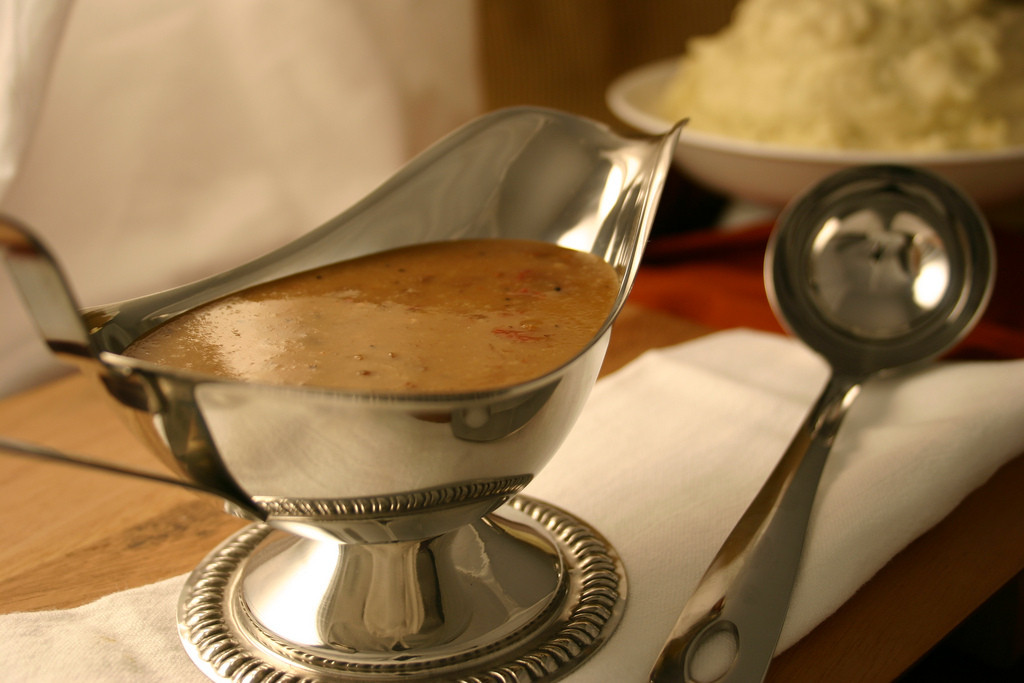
(72, 535)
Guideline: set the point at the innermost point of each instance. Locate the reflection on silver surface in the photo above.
(876, 275)
(390, 554)
(524, 595)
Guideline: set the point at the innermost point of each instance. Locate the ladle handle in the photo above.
(35, 451)
(46, 293)
(740, 605)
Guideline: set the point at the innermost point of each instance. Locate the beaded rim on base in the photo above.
(591, 609)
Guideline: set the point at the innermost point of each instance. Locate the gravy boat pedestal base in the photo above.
(527, 594)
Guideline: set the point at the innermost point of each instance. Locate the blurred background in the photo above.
(564, 54)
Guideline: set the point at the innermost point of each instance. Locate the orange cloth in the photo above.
(716, 278)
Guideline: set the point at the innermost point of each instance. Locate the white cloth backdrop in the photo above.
(176, 138)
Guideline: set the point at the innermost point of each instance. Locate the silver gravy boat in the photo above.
(389, 542)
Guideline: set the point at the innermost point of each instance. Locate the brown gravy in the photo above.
(440, 317)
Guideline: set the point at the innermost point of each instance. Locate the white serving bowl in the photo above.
(774, 174)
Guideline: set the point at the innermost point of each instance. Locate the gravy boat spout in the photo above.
(392, 543)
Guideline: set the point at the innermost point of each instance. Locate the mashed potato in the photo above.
(908, 75)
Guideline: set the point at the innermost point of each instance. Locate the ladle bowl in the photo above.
(377, 553)
(880, 267)
(876, 268)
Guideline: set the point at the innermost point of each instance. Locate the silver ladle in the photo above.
(876, 268)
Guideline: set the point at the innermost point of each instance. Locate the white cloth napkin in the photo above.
(664, 459)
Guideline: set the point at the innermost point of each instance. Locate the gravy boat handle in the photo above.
(45, 291)
(8, 446)
(54, 310)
